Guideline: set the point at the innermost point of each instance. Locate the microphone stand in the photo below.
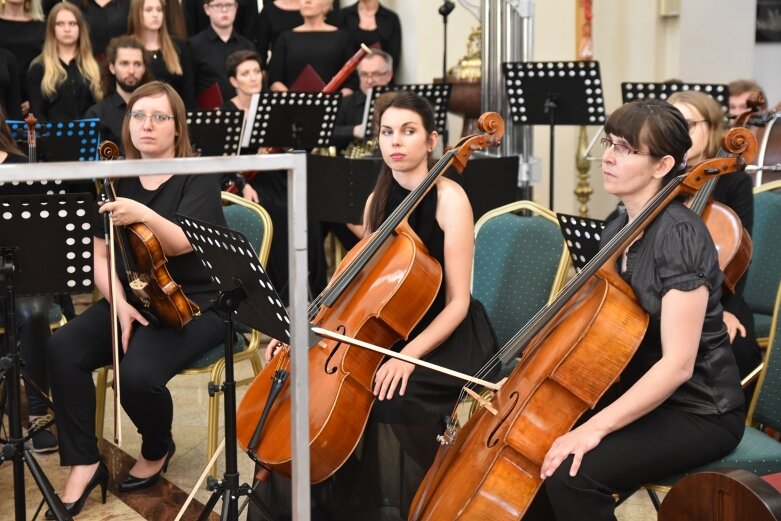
(445, 9)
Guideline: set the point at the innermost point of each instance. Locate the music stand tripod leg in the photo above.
(15, 450)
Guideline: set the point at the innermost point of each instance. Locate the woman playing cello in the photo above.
(379, 480)
(678, 403)
(155, 128)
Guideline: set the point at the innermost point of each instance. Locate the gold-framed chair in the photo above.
(254, 222)
(764, 273)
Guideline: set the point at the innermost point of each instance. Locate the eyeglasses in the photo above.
(691, 123)
(620, 148)
(223, 7)
(140, 117)
(372, 75)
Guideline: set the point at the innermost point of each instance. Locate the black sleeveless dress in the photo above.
(379, 480)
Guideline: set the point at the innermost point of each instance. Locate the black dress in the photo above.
(184, 83)
(387, 34)
(25, 41)
(105, 22)
(379, 480)
(10, 95)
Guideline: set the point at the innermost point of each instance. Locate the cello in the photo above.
(380, 291)
(574, 349)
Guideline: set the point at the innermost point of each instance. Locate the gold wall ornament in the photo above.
(583, 190)
(584, 51)
(470, 66)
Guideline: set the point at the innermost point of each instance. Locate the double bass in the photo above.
(573, 351)
(380, 291)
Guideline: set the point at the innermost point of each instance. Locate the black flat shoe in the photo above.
(100, 477)
(132, 483)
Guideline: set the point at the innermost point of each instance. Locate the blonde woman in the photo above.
(168, 56)
(64, 80)
(22, 29)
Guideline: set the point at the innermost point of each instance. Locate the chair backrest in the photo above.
(764, 274)
(252, 220)
(766, 405)
(520, 264)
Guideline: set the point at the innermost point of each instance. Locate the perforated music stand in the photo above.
(582, 236)
(215, 132)
(75, 140)
(554, 93)
(291, 119)
(45, 248)
(438, 94)
(245, 291)
(632, 91)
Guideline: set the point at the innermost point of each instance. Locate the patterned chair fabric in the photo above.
(520, 263)
(764, 274)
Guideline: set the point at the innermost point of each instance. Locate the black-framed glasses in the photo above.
(140, 117)
(692, 123)
(620, 148)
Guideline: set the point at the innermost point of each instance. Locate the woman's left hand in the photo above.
(576, 442)
(125, 211)
(391, 375)
(249, 193)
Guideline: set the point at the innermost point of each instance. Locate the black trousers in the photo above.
(154, 356)
(662, 443)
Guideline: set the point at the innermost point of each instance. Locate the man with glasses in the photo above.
(375, 70)
(211, 48)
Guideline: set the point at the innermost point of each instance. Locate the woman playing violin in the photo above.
(678, 403)
(155, 128)
(379, 480)
(706, 124)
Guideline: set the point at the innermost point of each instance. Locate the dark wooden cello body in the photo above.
(381, 290)
(573, 351)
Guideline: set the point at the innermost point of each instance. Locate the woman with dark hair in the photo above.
(64, 80)
(156, 128)
(706, 125)
(678, 403)
(379, 480)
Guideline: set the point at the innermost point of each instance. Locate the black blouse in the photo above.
(677, 252)
(25, 41)
(325, 51)
(274, 21)
(72, 100)
(387, 34)
(10, 95)
(105, 23)
(184, 83)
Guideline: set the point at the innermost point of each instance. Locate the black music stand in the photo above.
(291, 119)
(337, 187)
(582, 236)
(215, 132)
(632, 91)
(46, 247)
(554, 93)
(438, 94)
(246, 291)
(75, 140)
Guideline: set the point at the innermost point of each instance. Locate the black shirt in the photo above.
(105, 22)
(72, 99)
(274, 21)
(677, 252)
(111, 112)
(246, 18)
(184, 83)
(25, 41)
(196, 196)
(350, 114)
(10, 95)
(387, 34)
(325, 51)
(210, 53)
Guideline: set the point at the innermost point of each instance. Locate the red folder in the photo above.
(211, 98)
(308, 81)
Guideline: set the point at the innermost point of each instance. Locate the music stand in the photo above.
(244, 290)
(46, 247)
(438, 94)
(291, 119)
(582, 236)
(632, 91)
(75, 140)
(554, 93)
(215, 132)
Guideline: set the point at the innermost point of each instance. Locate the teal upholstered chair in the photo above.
(520, 264)
(764, 273)
(757, 452)
(254, 223)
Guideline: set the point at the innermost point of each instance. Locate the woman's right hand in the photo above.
(127, 314)
(272, 349)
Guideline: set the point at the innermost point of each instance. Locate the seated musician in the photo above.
(678, 403)
(739, 91)
(379, 480)
(155, 128)
(706, 125)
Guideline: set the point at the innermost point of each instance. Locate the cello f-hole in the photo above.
(492, 440)
(343, 331)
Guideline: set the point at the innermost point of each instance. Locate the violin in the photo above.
(380, 291)
(574, 349)
(160, 298)
(32, 147)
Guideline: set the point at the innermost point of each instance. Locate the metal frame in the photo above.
(295, 165)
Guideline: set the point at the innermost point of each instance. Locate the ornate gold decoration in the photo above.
(469, 67)
(583, 190)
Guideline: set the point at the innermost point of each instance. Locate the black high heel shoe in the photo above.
(100, 477)
(132, 483)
